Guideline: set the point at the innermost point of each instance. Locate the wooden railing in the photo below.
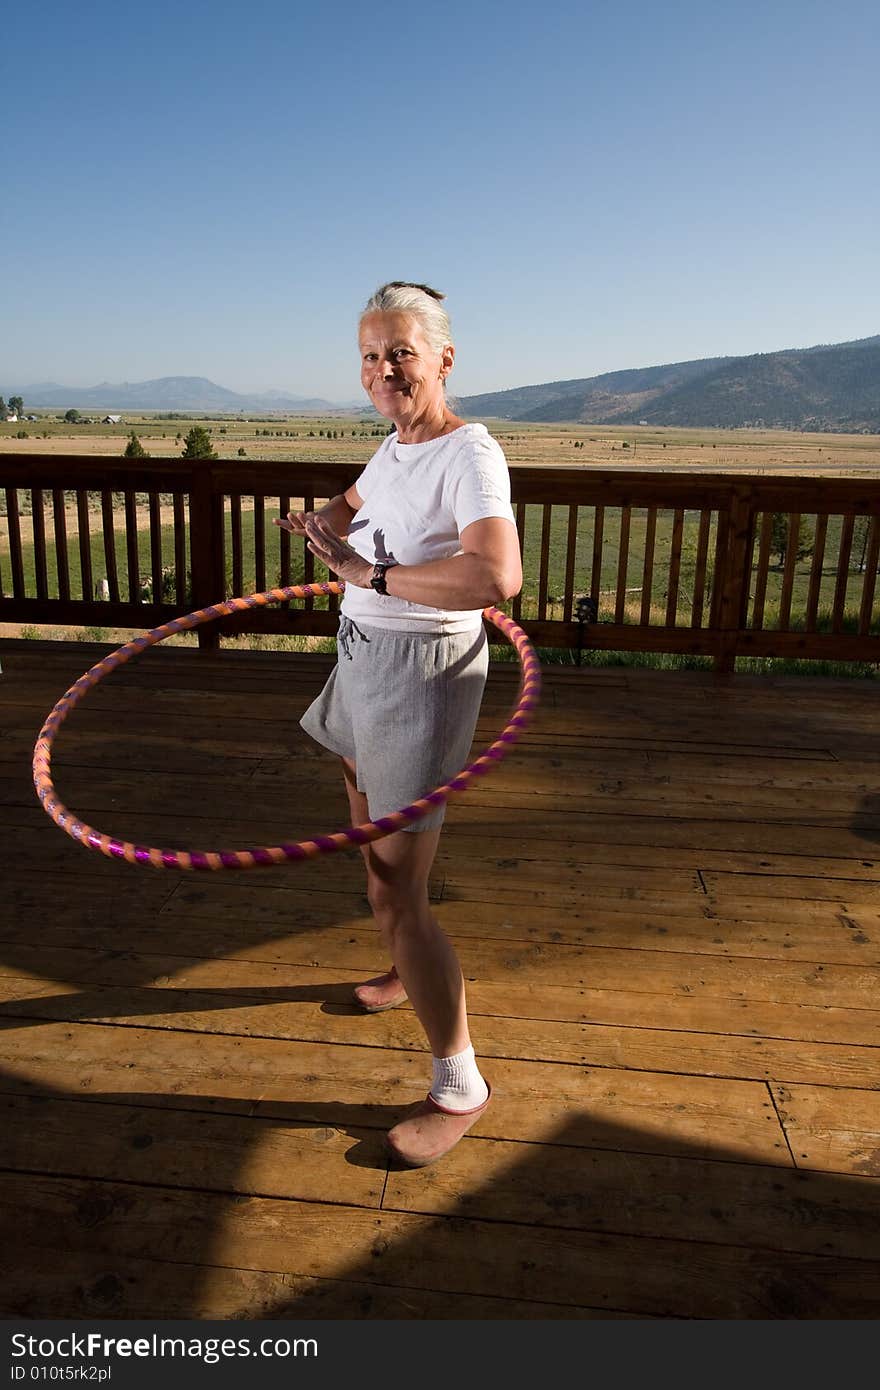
(628, 559)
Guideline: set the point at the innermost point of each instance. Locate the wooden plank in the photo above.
(622, 564)
(721, 1202)
(641, 1048)
(62, 561)
(658, 834)
(520, 511)
(490, 994)
(131, 547)
(648, 566)
(544, 559)
(13, 519)
(828, 934)
(269, 918)
(216, 1152)
(82, 1285)
(754, 886)
(259, 542)
(831, 1130)
(285, 896)
(791, 556)
(732, 574)
(596, 571)
(577, 976)
(872, 560)
(283, 547)
(180, 585)
(700, 569)
(38, 524)
(349, 1085)
(85, 543)
(763, 570)
(815, 589)
(236, 543)
(155, 534)
(842, 578)
(308, 558)
(672, 1277)
(747, 999)
(674, 568)
(86, 1285)
(109, 537)
(570, 557)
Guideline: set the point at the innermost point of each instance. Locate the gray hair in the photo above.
(423, 302)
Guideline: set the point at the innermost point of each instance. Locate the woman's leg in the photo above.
(425, 963)
(397, 885)
(397, 888)
(385, 991)
(422, 957)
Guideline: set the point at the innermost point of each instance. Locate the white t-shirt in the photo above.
(417, 500)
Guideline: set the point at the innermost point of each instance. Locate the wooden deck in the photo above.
(666, 904)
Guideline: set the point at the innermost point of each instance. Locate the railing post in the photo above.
(736, 575)
(206, 547)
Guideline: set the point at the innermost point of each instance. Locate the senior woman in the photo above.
(424, 540)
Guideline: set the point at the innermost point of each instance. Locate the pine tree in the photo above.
(134, 449)
(198, 444)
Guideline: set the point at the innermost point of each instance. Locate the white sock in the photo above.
(457, 1083)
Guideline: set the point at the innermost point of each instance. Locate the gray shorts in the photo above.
(402, 706)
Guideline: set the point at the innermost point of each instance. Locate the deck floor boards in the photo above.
(666, 902)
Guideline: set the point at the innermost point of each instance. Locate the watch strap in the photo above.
(379, 572)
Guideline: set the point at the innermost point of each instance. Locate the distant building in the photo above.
(112, 420)
(11, 419)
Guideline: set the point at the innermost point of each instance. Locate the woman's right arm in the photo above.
(338, 513)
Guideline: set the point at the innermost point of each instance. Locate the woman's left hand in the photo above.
(337, 554)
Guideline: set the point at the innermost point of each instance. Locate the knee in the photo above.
(388, 901)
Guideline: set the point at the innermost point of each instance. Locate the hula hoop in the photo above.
(265, 857)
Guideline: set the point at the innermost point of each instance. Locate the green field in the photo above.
(531, 564)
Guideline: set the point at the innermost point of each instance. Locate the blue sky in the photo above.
(214, 189)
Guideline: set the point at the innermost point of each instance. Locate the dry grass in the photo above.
(674, 450)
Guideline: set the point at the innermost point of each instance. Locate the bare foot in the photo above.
(383, 992)
(428, 1132)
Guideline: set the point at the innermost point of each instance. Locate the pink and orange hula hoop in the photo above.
(267, 856)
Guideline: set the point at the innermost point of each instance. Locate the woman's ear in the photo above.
(447, 357)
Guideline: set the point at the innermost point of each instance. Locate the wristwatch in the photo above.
(378, 580)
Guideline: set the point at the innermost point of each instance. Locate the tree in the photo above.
(134, 449)
(2, 407)
(72, 417)
(198, 444)
(780, 539)
(16, 405)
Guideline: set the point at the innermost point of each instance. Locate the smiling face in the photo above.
(402, 374)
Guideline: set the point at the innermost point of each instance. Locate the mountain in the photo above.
(189, 393)
(826, 387)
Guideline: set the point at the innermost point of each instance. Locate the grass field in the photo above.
(305, 437)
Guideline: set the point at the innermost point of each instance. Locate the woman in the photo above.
(424, 541)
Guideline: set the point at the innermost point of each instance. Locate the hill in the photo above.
(189, 393)
(828, 387)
